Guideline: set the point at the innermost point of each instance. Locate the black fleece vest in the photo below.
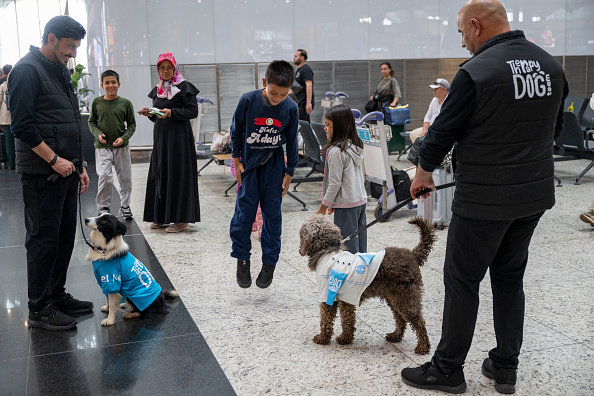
(504, 163)
(57, 116)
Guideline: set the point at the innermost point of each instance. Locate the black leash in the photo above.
(82, 230)
(395, 208)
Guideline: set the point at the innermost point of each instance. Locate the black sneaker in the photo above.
(51, 318)
(428, 376)
(70, 305)
(126, 213)
(264, 278)
(505, 379)
(103, 210)
(244, 277)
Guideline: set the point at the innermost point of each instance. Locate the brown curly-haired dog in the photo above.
(398, 282)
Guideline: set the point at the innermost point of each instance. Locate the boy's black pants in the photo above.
(473, 246)
(50, 222)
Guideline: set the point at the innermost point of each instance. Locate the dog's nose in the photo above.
(87, 220)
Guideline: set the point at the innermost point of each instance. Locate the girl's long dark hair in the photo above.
(344, 130)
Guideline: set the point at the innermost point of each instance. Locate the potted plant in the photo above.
(82, 93)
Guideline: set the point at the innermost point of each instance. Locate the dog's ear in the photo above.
(121, 229)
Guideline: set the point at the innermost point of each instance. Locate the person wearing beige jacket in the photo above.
(5, 119)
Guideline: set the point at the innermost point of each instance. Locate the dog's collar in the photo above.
(95, 248)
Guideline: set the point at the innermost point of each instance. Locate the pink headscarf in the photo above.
(168, 89)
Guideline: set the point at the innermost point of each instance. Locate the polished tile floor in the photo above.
(262, 339)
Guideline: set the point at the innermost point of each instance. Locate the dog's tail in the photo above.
(421, 251)
(171, 294)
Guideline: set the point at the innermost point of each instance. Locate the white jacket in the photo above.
(4, 112)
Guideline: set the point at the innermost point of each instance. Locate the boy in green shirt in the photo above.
(112, 123)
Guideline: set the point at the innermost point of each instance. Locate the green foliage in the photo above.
(76, 78)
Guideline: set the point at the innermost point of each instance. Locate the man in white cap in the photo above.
(441, 88)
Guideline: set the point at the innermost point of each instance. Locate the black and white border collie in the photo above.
(106, 236)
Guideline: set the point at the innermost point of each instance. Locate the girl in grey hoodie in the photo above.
(344, 182)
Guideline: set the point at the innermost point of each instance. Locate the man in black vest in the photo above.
(46, 122)
(504, 110)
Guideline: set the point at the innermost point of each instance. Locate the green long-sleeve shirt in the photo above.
(114, 119)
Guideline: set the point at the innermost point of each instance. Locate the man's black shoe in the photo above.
(264, 279)
(51, 318)
(505, 379)
(428, 376)
(70, 305)
(244, 277)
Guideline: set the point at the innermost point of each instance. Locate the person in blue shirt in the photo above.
(263, 122)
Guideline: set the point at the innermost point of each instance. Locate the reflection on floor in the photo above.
(132, 357)
(262, 339)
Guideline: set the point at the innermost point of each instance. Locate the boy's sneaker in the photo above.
(587, 217)
(126, 213)
(244, 277)
(428, 376)
(504, 379)
(103, 210)
(264, 279)
(70, 305)
(51, 318)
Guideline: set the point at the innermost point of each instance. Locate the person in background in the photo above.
(263, 122)
(588, 217)
(46, 123)
(388, 89)
(503, 136)
(172, 184)
(344, 181)
(303, 85)
(5, 119)
(441, 88)
(112, 123)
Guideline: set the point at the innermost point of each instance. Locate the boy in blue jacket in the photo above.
(263, 122)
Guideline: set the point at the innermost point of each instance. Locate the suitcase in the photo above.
(396, 115)
(437, 209)
(3, 155)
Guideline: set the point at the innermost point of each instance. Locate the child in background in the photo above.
(112, 123)
(263, 122)
(344, 182)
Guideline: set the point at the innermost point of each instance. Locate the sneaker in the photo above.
(70, 305)
(428, 376)
(51, 318)
(154, 226)
(177, 227)
(244, 277)
(587, 217)
(264, 279)
(103, 210)
(126, 213)
(505, 379)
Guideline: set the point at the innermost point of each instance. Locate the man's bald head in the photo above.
(480, 20)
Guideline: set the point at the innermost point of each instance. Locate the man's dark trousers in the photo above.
(303, 114)
(473, 246)
(50, 222)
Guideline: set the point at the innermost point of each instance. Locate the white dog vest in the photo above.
(345, 276)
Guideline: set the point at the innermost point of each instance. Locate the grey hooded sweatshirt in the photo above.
(344, 181)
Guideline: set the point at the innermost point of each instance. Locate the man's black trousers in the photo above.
(473, 246)
(50, 222)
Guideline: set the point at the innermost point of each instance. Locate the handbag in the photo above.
(372, 105)
(415, 150)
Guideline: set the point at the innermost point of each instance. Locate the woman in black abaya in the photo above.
(172, 184)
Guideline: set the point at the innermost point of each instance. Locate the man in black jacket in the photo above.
(46, 122)
(504, 110)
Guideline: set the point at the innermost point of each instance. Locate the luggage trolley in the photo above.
(376, 160)
(196, 121)
(332, 99)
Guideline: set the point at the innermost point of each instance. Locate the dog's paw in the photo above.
(129, 315)
(345, 339)
(422, 349)
(394, 337)
(107, 322)
(320, 339)
(105, 308)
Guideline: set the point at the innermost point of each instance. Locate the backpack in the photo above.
(401, 182)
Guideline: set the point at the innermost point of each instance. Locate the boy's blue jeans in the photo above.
(264, 185)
